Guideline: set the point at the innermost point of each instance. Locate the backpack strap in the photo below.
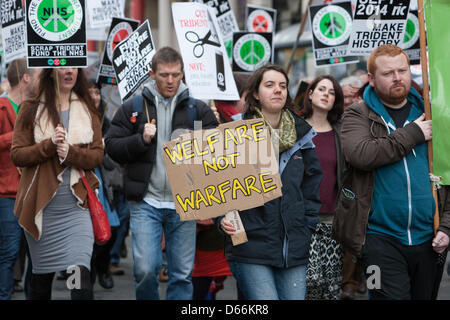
(138, 103)
(192, 111)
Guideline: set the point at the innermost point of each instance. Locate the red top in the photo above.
(226, 109)
(9, 175)
(211, 264)
(326, 152)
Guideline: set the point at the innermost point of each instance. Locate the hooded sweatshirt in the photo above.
(159, 193)
(402, 204)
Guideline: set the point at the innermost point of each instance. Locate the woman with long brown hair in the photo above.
(57, 133)
(322, 109)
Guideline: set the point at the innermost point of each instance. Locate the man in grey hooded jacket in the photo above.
(136, 137)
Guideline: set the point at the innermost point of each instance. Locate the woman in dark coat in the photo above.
(272, 264)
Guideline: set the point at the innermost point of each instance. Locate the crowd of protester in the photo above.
(353, 165)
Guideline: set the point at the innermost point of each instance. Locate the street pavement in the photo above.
(124, 286)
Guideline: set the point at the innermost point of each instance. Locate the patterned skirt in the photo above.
(324, 270)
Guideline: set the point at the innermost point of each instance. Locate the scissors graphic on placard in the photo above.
(193, 37)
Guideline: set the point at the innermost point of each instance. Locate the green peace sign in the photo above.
(332, 25)
(252, 52)
(409, 31)
(56, 15)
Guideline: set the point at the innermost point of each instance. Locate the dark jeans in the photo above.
(406, 272)
(101, 256)
(123, 211)
(10, 236)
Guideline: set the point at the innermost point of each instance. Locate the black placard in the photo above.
(56, 33)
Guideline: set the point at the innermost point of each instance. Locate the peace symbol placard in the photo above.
(56, 33)
(251, 50)
(411, 43)
(259, 19)
(331, 27)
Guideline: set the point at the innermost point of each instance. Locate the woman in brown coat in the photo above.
(51, 200)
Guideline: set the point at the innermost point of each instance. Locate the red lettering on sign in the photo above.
(196, 66)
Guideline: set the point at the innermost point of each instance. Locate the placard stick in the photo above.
(19, 80)
(300, 31)
(426, 100)
(58, 97)
(108, 100)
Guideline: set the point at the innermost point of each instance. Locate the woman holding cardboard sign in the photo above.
(51, 199)
(272, 264)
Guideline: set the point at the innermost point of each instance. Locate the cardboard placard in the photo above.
(231, 167)
(13, 30)
(132, 60)
(56, 33)
(239, 236)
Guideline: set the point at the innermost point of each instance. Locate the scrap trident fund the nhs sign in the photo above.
(56, 33)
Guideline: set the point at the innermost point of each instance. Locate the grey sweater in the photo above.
(159, 186)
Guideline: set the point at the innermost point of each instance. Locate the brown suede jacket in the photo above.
(33, 150)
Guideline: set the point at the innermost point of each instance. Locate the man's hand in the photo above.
(440, 242)
(216, 113)
(149, 131)
(425, 126)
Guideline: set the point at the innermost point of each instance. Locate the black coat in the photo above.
(125, 143)
(279, 233)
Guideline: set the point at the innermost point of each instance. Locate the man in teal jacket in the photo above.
(386, 189)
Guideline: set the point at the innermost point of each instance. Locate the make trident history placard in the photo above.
(56, 33)
(377, 22)
(13, 30)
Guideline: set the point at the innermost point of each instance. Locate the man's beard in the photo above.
(395, 96)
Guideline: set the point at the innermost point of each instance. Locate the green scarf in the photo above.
(286, 135)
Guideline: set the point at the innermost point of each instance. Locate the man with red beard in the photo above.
(385, 211)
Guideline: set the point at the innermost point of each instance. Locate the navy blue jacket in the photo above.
(279, 233)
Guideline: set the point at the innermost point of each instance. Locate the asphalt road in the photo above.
(124, 286)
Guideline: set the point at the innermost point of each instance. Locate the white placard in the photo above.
(207, 71)
(377, 22)
(101, 12)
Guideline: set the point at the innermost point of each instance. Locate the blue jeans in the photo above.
(261, 282)
(10, 235)
(147, 224)
(123, 211)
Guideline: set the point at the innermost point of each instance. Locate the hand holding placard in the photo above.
(149, 131)
(232, 225)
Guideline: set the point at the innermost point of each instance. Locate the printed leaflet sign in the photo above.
(132, 60)
(13, 30)
(56, 33)
(377, 22)
(119, 30)
(207, 71)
